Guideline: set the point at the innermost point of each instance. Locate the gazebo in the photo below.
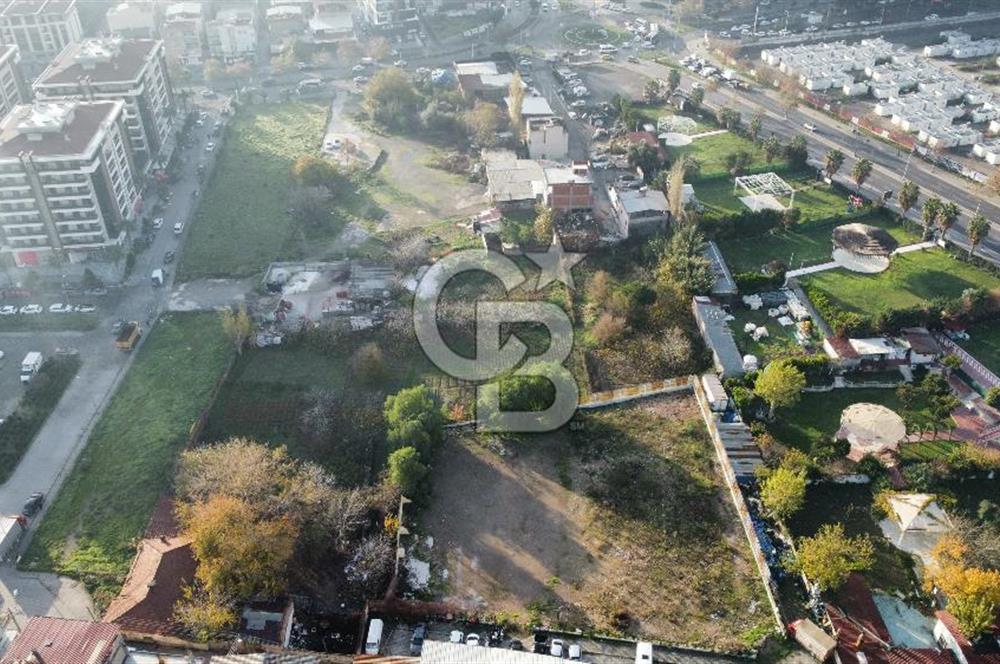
(763, 190)
(863, 248)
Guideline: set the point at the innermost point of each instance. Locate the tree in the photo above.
(929, 213)
(675, 191)
(239, 554)
(861, 170)
(348, 51)
(683, 261)
(407, 472)
(608, 328)
(673, 80)
(214, 71)
(368, 364)
(727, 117)
(377, 48)
(979, 230)
(993, 182)
(312, 171)
(832, 162)
(204, 614)
(370, 568)
(993, 397)
(828, 557)
(644, 157)
(784, 492)
(737, 162)
(483, 122)
(753, 129)
(973, 593)
(790, 217)
(652, 90)
(414, 418)
(947, 215)
(391, 100)
(772, 148)
(237, 326)
(678, 353)
(696, 97)
(544, 224)
(515, 103)
(909, 194)
(797, 153)
(311, 205)
(780, 384)
(624, 111)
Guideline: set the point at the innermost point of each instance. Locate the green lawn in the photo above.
(91, 528)
(927, 450)
(711, 151)
(780, 342)
(242, 223)
(912, 279)
(808, 244)
(984, 344)
(851, 505)
(48, 322)
(816, 418)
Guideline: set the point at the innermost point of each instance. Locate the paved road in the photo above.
(51, 455)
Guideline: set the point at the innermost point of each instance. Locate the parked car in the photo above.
(31, 309)
(158, 223)
(556, 649)
(117, 326)
(168, 257)
(399, 63)
(8, 310)
(634, 60)
(360, 80)
(86, 309)
(33, 504)
(60, 308)
(178, 228)
(209, 146)
(456, 636)
(574, 651)
(516, 644)
(417, 639)
(472, 640)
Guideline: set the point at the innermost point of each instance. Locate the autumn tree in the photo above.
(993, 182)
(828, 557)
(237, 326)
(909, 194)
(391, 100)
(483, 123)
(368, 364)
(861, 170)
(348, 51)
(783, 492)
(675, 191)
(313, 171)
(973, 593)
(414, 419)
(544, 224)
(979, 230)
(407, 472)
(780, 385)
(204, 614)
(515, 103)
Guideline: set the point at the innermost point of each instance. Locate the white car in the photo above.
(399, 63)
(556, 649)
(456, 636)
(579, 103)
(333, 144)
(574, 651)
(179, 228)
(360, 80)
(60, 308)
(472, 640)
(209, 146)
(31, 309)
(8, 310)
(85, 309)
(158, 223)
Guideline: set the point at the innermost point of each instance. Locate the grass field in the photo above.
(91, 528)
(242, 223)
(48, 322)
(927, 450)
(807, 244)
(816, 418)
(851, 505)
(711, 151)
(780, 342)
(984, 344)
(912, 279)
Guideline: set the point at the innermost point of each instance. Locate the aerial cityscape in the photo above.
(499, 331)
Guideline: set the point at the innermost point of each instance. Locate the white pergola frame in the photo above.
(760, 184)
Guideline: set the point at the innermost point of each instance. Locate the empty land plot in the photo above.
(911, 280)
(90, 531)
(620, 525)
(242, 223)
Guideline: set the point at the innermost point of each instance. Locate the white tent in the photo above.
(915, 524)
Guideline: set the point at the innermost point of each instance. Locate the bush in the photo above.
(742, 224)
(407, 472)
(754, 282)
(608, 328)
(993, 397)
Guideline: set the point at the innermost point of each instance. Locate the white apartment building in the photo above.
(67, 180)
(13, 90)
(133, 20)
(182, 29)
(133, 70)
(232, 34)
(547, 138)
(398, 17)
(39, 28)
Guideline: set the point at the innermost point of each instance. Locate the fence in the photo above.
(741, 506)
(971, 365)
(631, 392)
(194, 433)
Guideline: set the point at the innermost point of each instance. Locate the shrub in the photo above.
(608, 328)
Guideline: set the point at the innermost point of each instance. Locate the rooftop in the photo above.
(54, 129)
(63, 641)
(28, 7)
(483, 68)
(534, 107)
(100, 60)
(718, 337)
(635, 201)
(440, 652)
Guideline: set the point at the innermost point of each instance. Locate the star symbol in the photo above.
(556, 264)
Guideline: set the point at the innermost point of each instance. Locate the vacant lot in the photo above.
(90, 530)
(911, 280)
(242, 223)
(618, 524)
(807, 244)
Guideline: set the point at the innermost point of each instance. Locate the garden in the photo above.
(617, 524)
(90, 530)
(242, 223)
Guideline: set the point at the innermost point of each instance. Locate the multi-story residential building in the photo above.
(68, 182)
(133, 20)
(393, 17)
(232, 35)
(284, 21)
(133, 70)
(13, 90)
(182, 30)
(39, 28)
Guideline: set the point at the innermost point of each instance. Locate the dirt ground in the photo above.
(518, 533)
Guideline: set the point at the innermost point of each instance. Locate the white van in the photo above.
(374, 638)
(644, 652)
(309, 83)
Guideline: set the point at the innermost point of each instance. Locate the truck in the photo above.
(30, 366)
(157, 277)
(11, 531)
(128, 336)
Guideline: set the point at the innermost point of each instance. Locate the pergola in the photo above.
(764, 184)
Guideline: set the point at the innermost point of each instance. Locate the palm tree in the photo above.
(929, 213)
(772, 148)
(979, 228)
(753, 130)
(909, 193)
(834, 160)
(862, 169)
(947, 216)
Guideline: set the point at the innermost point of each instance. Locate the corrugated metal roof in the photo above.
(62, 641)
(440, 652)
